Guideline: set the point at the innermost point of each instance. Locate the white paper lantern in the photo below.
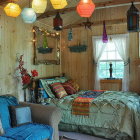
(28, 15)
(39, 6)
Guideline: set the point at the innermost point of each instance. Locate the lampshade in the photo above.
(58, 4)
(28, 15)
(133, 19)
(85, 8)
(57, 22)
(12, 10)
(104, 37)
(39, 6)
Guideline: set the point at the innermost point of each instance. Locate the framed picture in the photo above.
(46, 47)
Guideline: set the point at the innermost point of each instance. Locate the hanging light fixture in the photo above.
(12, 10)
(85, 8)
(59, 4)
(39, 6)
(133, 19)
(28, 15)
(104, 37)
(57, 22)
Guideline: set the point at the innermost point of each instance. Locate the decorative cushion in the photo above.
(1, 128)
(20, 115)
(59, 90)
(69, 88)
(74, 84)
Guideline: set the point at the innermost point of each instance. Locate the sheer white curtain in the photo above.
(122, 44)
(98, 48)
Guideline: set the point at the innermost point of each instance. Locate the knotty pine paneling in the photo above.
(16, 38)
(79, 66)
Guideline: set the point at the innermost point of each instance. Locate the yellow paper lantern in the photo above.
(59, 4)
(12, 10)
(39, 6)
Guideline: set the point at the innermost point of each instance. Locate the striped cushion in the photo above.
(74, 84)
(58, 90)
(69, 89)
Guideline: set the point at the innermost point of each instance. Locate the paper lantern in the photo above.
(28, 15)
(57, 22)
(12, 10)
(133, 19)
(85, 8)
(58, 4)
(104, 37)
(39, 6)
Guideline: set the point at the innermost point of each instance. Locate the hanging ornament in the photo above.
(59, 4)
(133, 19)
(85, 8)
(57, 22)
(12, 10)
(28, 15)
(39, 6)
(104, 37)
(45, 43)
(70, 36)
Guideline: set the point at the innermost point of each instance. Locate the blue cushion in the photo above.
(5, 101)
(30, 132)
(43, 92)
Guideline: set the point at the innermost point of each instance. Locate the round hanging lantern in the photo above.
(28, 15)
(133, 19)
(85, 8)
(12, 10)
(39, 6)
(58, 4)
(57, 22)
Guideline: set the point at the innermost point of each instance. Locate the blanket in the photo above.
(81, 104)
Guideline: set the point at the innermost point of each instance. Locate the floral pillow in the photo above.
(58, 89)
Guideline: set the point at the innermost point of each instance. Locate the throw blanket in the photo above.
(81, 104)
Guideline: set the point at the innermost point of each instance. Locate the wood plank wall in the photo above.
(16, 38)
(79, 66)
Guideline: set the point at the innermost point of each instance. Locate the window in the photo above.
(111, 54)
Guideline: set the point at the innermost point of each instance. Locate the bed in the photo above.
(112, 114)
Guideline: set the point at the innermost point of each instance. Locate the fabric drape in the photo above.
(98, 48)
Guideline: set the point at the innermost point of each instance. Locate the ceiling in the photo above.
(70, 17)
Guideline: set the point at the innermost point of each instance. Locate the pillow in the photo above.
(58, 89)
(69, 88)
(1, 128)
(20, 115)
(74, 84)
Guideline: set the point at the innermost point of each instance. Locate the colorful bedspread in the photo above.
(81, 104)
(113, 115)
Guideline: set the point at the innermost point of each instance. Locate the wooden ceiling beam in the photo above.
(98, 5)
(97, 23)
(2, 2)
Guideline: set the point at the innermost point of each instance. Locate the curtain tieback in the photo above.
(127, 62)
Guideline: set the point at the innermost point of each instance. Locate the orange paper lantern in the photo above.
(85, 8)
(12, 10)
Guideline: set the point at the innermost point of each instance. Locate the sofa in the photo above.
(44, 125)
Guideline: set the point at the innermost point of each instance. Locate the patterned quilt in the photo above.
(113, 115)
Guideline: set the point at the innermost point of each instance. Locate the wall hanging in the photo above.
(39, 6)
(12, 10)
(46, 46)
(78, 48)
(70, 36)
(133, 19)
(85, 8)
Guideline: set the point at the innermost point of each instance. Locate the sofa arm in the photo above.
(45, 115)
